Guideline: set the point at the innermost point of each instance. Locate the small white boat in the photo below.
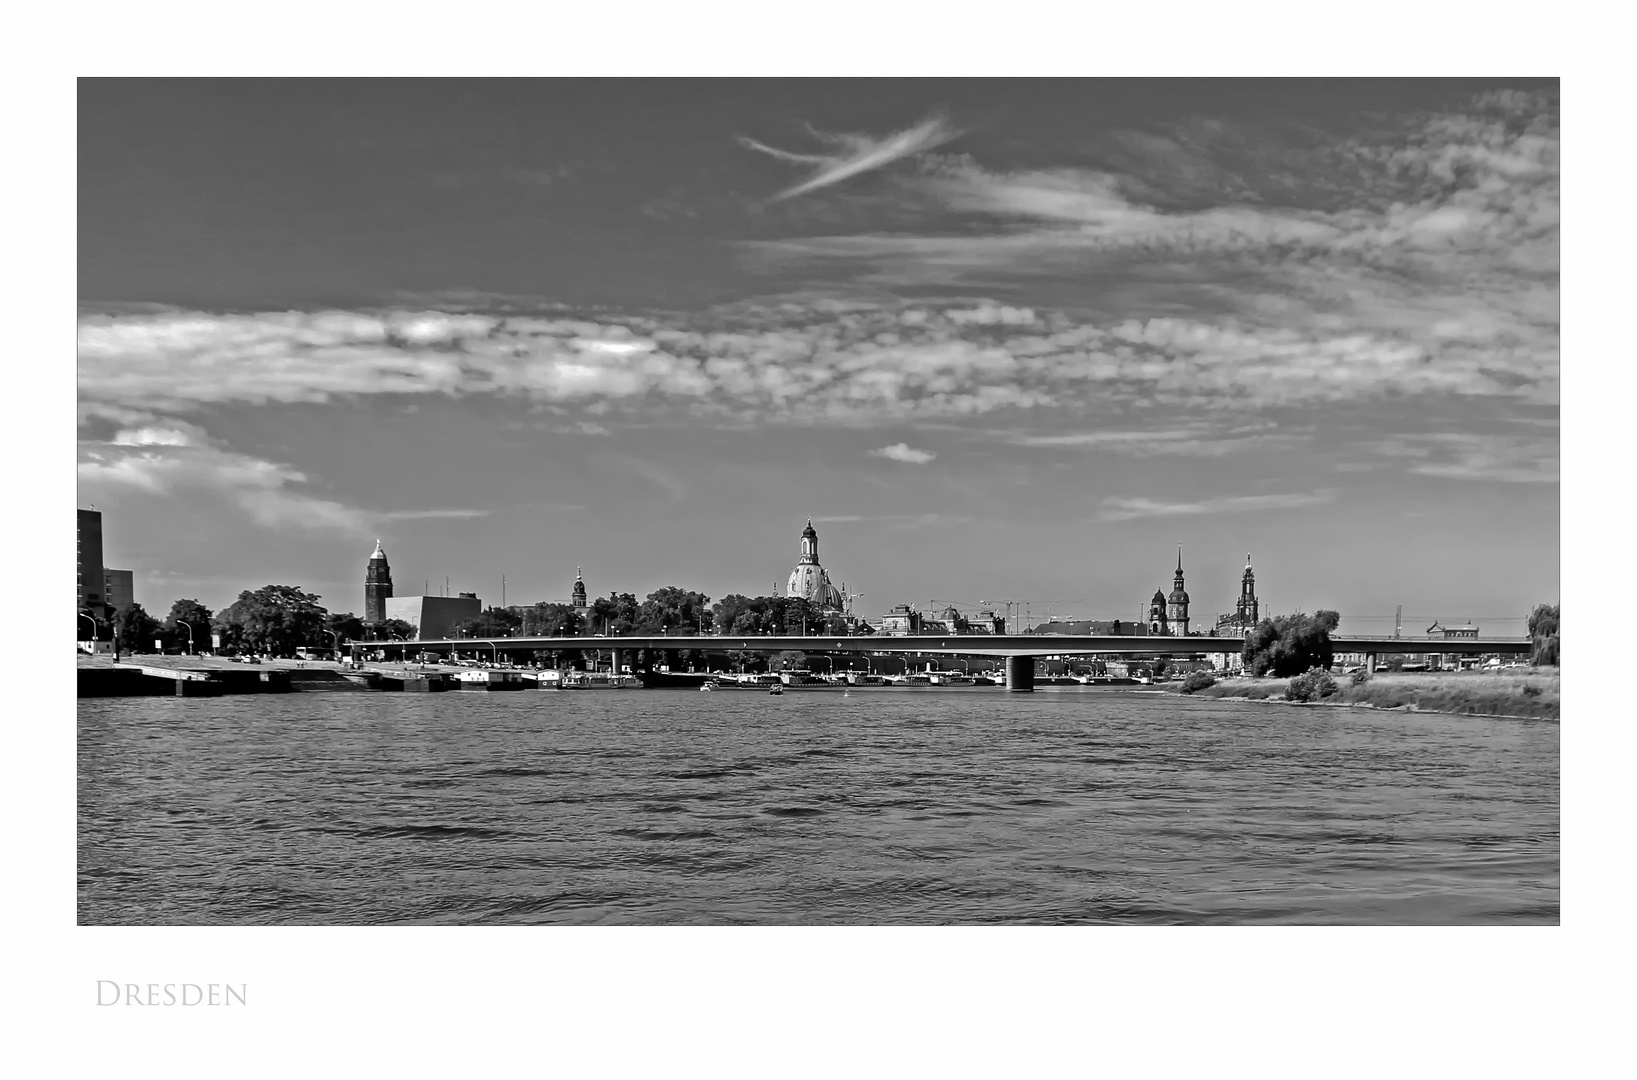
(775, 690)
(706, 687)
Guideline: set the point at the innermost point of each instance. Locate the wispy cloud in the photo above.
(1514, 459)
(416, 515)
(904, 452)
(1198, 440)
(854, 154)
(862, 364)
(1125, 509)
(272, 495)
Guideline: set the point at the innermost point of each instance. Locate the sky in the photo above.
(999, 340)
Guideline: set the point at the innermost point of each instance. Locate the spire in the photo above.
(577, 573)
(1247, 560)
(1179, 558)
(378, 553)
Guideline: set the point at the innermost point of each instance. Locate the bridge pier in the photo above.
(1370, 663)
(617, 659)
(1020, 674)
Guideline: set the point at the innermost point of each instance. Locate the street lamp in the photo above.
(337, 638)
(93, 623)
(184, 625)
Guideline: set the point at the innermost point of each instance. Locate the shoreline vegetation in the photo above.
(1521, 693)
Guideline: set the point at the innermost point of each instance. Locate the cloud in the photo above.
(903, 452)
(415, 515)
(854, 154)
(1437, 233)
(270, 494)
(855, 364)
(1125, 509)
(1498, 457)
(1194, 440)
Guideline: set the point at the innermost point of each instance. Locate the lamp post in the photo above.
(93, 623)
(337, 638)
(184, 625)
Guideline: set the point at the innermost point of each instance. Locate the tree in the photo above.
(726, 613)
(389, 629)
(1290, 644)
(796, 616)
(1543, 630)
(348, 627)
(616, 613)
(196, 617)
(675, 610)
(277, 619)
(551, 620)
(104, 629)
(134, 628)
(787, 660)
(492, 622)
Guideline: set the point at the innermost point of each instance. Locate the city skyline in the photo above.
(997, 340)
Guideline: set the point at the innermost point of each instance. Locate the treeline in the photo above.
(274, 619)
(1289, 645)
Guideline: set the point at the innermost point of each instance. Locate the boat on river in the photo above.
(597, 680)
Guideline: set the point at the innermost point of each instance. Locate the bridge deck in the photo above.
(966, 644)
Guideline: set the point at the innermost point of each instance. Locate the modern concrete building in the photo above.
(119, 588)
(433, 616)
(91, 592)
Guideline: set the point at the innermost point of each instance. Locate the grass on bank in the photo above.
(1535, 691)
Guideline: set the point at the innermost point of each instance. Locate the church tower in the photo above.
(578, 600)
(1156, 615)
(1176, 612)
(1247, 611)
(809, 546)
(809, 580)
(377, 586)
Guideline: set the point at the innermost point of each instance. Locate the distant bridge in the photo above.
(1020, 650)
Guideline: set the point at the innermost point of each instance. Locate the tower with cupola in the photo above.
(1176, 605)
(377, 586)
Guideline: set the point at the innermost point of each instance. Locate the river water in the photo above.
(883, 806)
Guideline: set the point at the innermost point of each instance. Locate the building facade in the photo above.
(119, 587)
(901, 621)
(377, 586)
(433, 616)
(91, 592)
(809, 580)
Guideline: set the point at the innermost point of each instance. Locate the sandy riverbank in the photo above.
(1520, 692)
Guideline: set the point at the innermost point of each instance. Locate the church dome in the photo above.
(1159, 597)
(378, 553)
(1179, 596)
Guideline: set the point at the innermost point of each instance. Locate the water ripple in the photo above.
(883, 807)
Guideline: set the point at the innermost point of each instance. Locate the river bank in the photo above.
(1534, 692)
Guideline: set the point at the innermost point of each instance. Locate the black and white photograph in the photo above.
(901, 529)
(819, 502)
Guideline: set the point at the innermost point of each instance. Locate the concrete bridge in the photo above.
(1019, 650)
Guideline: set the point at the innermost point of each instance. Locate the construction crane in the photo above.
(1026, 606)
